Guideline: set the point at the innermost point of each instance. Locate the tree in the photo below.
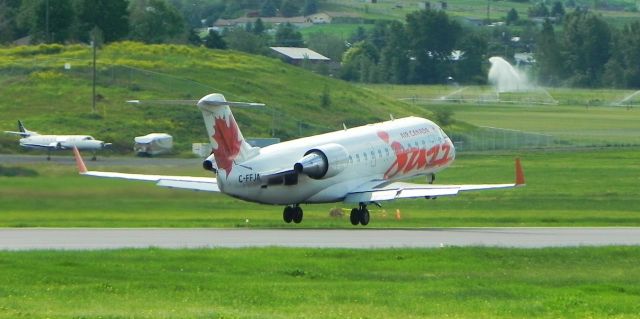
(557, 11)
(587, 47)
(258, 27)
(194, 38)
(241, 40)
(214, 41)
(155, 21)
(288, 36)
(8, 27)
(359, 63)
(432, 38)
(627, 52)
(289, 8)
(111, 16)
(512, 16)
(394, 58)
(268, 9)
(548, 59)
(469, 67)
(359, 35)
(539, 10)
(47, 21)
(613, 74)
(378, 35)
(327, 44)
(310, 7)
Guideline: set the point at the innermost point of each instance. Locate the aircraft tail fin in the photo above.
(228, 144)
(21, 127)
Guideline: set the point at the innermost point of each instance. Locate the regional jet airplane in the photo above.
(31, 139)
(361, 165)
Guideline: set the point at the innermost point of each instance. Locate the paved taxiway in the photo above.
(104, 238)
(66, 158)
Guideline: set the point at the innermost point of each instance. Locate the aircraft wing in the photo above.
(400, 190)
(208, 184)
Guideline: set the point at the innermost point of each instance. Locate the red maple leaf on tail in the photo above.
(226, 136)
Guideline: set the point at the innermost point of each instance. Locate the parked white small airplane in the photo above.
(361, 165)
(31, 139)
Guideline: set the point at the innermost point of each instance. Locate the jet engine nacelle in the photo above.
(323, 162)
(209, 164)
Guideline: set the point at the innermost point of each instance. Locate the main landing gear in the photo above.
(360, 215)
(292, 213)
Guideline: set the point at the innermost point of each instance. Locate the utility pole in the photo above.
(94, 44)
(46, 22)
(488, 11)
(95, 37)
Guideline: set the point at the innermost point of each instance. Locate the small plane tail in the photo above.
(21, 127)
(22, 131)
(228, 145)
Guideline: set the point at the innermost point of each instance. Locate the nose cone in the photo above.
(97, 144)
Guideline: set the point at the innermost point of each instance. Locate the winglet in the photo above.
(519, 173)
(79, 162)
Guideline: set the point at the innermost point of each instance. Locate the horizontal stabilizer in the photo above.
(16, 133)
(234, 104)
(164, 102)
(194, 102)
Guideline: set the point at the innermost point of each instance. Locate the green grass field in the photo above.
(341, 30)
(580, 117)
(583, 188)
(399, 9)
(473, 9)
(322, 283)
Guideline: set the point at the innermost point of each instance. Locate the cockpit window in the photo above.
(88, 138)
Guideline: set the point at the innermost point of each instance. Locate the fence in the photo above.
(492, 139)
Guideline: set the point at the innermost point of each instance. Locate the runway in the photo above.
(114, 238)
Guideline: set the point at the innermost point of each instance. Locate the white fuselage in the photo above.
(387, 151)
(82, 142)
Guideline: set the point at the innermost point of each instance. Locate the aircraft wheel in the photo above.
(297, 214)
(287, 214)
(355, 216)
(364, 217)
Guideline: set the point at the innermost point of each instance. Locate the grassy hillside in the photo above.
(36, 87)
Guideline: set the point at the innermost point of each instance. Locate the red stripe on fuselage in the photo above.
(414, 158)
